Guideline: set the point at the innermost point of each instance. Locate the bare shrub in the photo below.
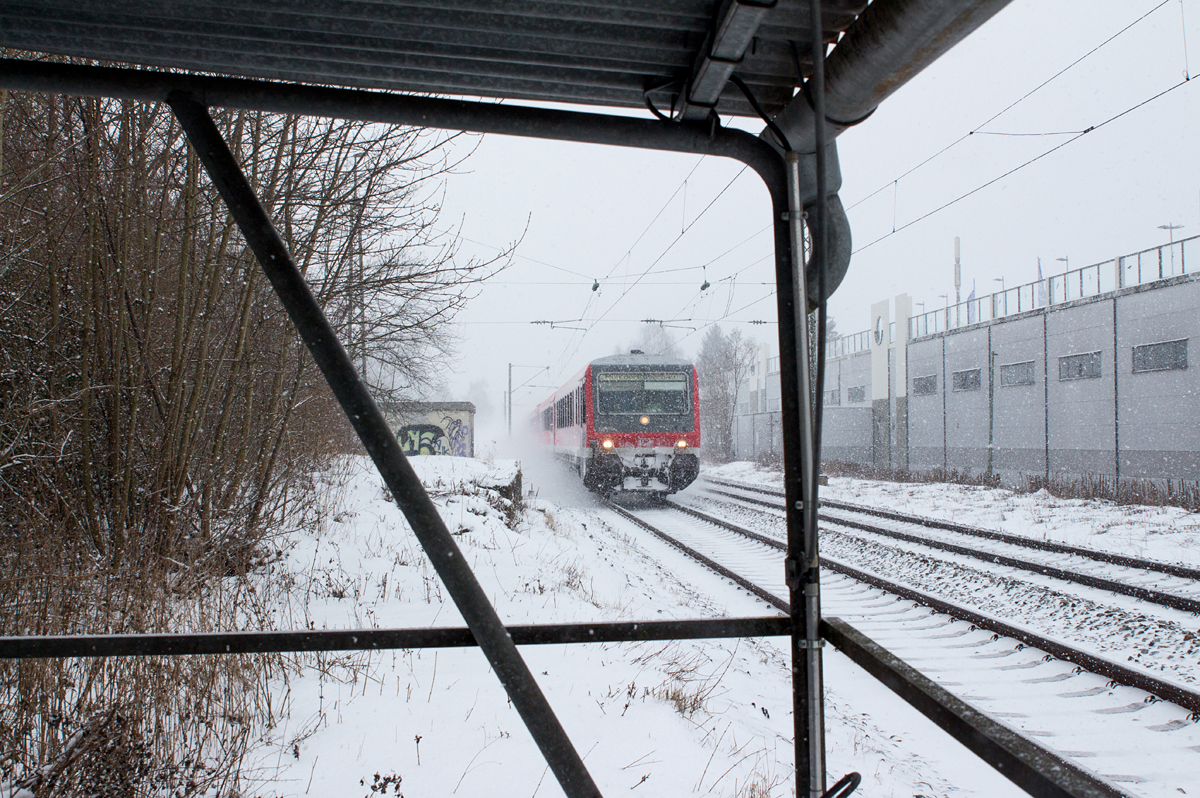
(837, 468)
(1181, 493)
(160, 420)
(1184, 493)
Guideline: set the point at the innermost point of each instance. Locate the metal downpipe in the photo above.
(889, 44)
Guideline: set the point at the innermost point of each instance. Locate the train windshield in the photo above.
(660, 393)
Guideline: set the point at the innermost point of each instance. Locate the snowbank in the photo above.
(676, 718)
(1166, 534)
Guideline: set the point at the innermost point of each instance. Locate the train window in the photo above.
(968, 380)
(1079, 367)
(662, 393)
(858, 394)
(1163, 356)
(1017, 374)
(923, 386)
(547, 419)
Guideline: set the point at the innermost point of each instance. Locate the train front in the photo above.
(644, 428)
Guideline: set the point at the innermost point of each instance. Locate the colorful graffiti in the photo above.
(459, 435)
(423, 439)
(454, 438)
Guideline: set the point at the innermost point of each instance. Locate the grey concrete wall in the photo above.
(1019, 411)
(1082, 417)
(845, 373)
(926, 422)
(757, 433)
(846, 435)
(966, 437)
(743, 437)
(1154, 415)
(1160, 410)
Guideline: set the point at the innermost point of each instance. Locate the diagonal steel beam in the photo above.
(321, 340)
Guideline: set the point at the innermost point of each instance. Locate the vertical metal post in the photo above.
(510, 400)
(801, 564)
(957, 273)
(335, 364)
(991, 404)
(1116, 401)
(805, 586)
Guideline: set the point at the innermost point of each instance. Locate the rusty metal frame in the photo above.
(190, 97)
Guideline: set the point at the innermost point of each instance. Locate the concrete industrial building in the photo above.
(1083, 373)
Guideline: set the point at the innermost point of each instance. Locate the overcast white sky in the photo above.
(589, 209)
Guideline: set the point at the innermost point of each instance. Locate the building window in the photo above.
(1079, 367)
(856, 395)
(968, 380)
(923, 386)
(1017, 374)
(833, 397)
(1163, 356)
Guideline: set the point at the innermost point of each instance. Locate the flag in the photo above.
(1041, 287)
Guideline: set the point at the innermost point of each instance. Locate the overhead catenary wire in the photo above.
(1021, 166)
(569, 352)
(654, 263)
(1010, 106)
(677, 239)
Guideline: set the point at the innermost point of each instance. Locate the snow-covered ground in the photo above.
(681, 718)
(1166, 534)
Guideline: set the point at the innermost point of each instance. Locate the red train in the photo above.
(627, 423)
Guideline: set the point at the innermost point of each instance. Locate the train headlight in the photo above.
(607, 444)
(645, 420)
(682, 444)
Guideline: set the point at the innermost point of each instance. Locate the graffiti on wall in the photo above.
(451, 437)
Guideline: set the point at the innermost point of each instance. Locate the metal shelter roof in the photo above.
(608, 52)
(683, 54)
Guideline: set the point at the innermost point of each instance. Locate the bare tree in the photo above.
(159, 418)
(653, 339)
(723, 364)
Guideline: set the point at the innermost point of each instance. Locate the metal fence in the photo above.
(1147, 266)
(849, 344)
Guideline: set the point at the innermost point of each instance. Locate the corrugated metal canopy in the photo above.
(607, 52)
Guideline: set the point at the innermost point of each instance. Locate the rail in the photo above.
(1034, 768)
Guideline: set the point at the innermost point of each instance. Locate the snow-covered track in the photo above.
(1184, 581)
(1117, 672)
(1014, 674)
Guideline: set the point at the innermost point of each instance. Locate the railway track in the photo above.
(1164, 584)
(1133, 727)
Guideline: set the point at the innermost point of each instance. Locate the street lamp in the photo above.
(946, 297)
(1171, 228)
(1001, 281)
(1065, 262)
